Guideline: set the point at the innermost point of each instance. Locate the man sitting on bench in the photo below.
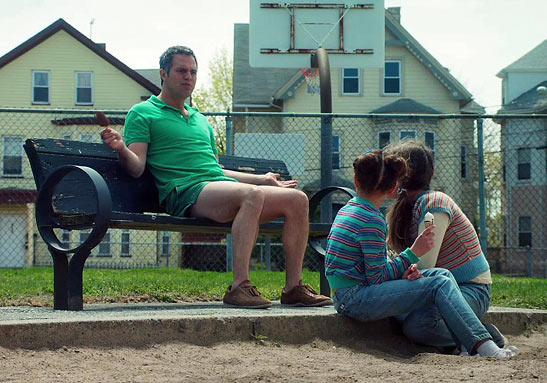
(179, 146)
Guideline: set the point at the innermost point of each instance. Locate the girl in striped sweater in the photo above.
(456, 247)
(368, 285)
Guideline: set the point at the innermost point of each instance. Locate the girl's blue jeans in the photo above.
(426, 325)
(437, 288)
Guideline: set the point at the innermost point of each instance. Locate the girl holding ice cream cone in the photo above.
(456, 248)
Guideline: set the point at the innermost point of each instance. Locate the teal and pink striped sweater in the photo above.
(356, 248)
(460, 251)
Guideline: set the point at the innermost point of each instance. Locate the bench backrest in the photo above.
(75, 195)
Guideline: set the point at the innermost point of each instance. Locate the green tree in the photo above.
(216, 95)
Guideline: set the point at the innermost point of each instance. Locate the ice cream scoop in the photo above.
(102, 119)
(428, 219)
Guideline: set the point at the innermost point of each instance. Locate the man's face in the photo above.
(182, 77)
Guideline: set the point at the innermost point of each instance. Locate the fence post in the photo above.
(229, 136)
(482, 193)
(268, 246)
(230, 152)
(529, 261)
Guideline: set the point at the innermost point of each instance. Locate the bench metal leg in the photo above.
(324, 287)
(75, 280)
(68, 278)
(60, 279)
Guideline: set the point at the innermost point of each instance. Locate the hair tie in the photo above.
(401, 190)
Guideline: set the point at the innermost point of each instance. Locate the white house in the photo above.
(524, 145)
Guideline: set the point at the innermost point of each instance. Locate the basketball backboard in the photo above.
(283, 35)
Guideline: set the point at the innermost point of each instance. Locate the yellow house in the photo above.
(52, 84)
(412, 84)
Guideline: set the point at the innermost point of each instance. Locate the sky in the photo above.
(474, 39)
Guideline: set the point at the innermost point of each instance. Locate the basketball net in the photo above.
(311, 75)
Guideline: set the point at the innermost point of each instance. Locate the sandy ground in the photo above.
(262, 360)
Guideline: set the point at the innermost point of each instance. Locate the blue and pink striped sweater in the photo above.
(460, 251)
(356, 248)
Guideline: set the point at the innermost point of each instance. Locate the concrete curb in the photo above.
(513, 321)
(140, 325)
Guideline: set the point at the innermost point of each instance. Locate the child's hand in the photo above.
(412, 273)
(424, 242)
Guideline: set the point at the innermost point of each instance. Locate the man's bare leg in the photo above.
(248, 205)
(225, 201)
(293, 205)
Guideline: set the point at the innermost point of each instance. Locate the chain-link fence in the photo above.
(507, 204)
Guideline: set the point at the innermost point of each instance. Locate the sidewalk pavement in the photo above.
(203, 323)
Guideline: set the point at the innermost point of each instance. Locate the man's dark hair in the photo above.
(166, 59)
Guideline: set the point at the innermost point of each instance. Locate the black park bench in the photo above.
(83, 186)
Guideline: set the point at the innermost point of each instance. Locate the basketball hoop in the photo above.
(311, 75)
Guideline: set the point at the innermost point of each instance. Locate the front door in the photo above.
(12, 240)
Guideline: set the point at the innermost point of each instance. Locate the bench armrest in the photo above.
(315, 202)
(44, 208)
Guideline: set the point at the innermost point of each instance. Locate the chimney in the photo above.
(395, 12)
(101, 45)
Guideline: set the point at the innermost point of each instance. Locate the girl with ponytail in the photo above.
(368, 285)
(456, 247)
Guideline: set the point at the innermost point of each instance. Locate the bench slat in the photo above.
(89, 150)
(176, 224)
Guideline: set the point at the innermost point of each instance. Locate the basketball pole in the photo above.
(320, 59)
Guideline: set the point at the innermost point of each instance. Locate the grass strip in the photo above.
(34, 286)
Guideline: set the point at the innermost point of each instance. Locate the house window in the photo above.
(463, 161)
(105, 248)
(430, 140)
(524, 157)
(87, 137)
(351, 82)
(126, 243)
(84, 88)
(392, 78)
(383, 139)
(84, 234)
(336, 157)
(12, 156)
(40, 87)
(65, 238)
(165, 243)
(407, 134)
(525, 231)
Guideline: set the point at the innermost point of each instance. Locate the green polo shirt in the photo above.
(182, 153)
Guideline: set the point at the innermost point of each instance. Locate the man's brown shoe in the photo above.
(304, 295)
(245, 296)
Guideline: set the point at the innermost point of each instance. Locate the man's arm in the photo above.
(132, 157)
(271, 179)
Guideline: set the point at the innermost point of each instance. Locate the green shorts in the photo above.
(181, 198)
